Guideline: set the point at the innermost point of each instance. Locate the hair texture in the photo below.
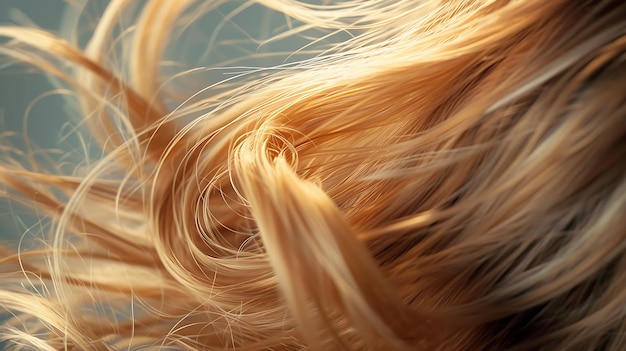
(442, 175)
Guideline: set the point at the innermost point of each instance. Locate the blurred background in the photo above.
(19, 87)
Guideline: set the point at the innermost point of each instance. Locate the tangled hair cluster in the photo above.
(442, 175)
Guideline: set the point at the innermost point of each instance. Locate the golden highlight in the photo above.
(451, 175)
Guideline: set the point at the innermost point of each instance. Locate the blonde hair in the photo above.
(451, 176)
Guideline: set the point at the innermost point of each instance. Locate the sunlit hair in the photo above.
(442, 175)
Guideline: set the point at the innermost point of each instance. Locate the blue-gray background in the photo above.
(20, 86)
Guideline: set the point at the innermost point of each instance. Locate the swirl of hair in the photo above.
(451, 175)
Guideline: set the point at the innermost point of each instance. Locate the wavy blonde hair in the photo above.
(449, 176)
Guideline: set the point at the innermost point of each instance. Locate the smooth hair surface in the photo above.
(412, 175)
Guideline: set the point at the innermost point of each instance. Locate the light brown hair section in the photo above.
(452, 178)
